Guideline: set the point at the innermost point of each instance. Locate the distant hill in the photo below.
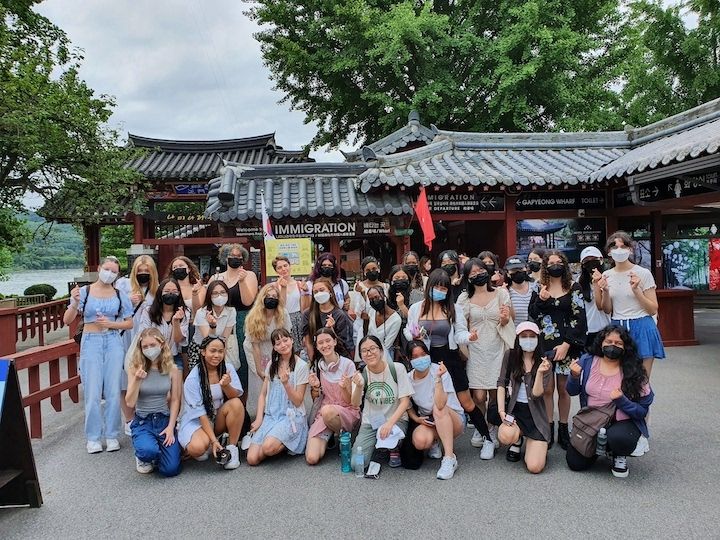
(53, 246)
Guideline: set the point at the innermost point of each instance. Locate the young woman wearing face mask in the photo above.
(371, 272)
(267, 315)
(294, 295)
(442, 326)
(168, 314)
(243, 287)
(492, 264)
(105, 312)
(425, 265)
(417, 279)
(534, 262)
(184, 271)
(331, 380)
(212, 406)
(280, 423)
(383, 321)
(440, 418)
(520, 287)
(591, 263)
(627, 293)
(324, 312)
(152, 377)
(449, 262)
(487, 310)
(399, 296)
(613, 373)
(559, 311)
(527, 373)
(326, 266)
(215, 318)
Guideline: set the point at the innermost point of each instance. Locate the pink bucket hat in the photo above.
(527, 325)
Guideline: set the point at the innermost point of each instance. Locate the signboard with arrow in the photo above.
(465, 203)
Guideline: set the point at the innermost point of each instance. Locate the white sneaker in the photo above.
(112, 445)
(620, 468)
(642, 448)
(93, 447)
(128, 431)
(435, 452)
(234, 462)
(143, 467)
(477, 440)
(203, 457)
(448, 466)
(494, 435)
(488, 449)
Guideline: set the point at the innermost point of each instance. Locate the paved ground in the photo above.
(671, 492)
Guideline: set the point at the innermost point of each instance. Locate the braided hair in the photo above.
(205, 390)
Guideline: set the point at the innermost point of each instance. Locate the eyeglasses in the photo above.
(369, 350)
(219, 294)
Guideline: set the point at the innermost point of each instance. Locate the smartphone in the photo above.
(509, 418)
(430, 420)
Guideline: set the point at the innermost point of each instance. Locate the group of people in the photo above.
(403, 364)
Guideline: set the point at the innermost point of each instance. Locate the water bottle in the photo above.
(601, 448)
(345, 465)
(358, 461)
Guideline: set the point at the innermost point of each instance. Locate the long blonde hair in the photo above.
(148, 261)
(140, 361)
(256, 325)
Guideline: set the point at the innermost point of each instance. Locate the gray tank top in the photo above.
(153, 395)
(438, 331)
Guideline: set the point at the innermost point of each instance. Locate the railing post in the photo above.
(8, 331)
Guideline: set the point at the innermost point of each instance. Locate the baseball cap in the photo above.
(590, 251)
(514, 262)
(527, 325)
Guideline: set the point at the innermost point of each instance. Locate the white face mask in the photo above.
(620, 254)
(151, 353)
(220, 300)
(322, 297)
(107, 276)
(528, 344)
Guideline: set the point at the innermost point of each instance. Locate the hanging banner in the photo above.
(298, 250)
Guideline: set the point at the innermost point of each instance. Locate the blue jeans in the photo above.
(148, 443)
(101, 365)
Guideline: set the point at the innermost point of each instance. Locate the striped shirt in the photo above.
(520, 304)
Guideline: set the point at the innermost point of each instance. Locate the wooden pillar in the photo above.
(8, 331)
(92, 247)
(510, 227)
(334, 248)
(138, 228)
(656, 251)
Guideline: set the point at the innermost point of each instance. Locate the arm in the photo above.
(125, 324)
(403, 405)
(358, 389)
(440, 395)
(635, 409)
(541, 382)
(462, 336)
(536, 307)
(296, 394)
(198, 297)
(248, 288)
(175, 396)
(133, 390)
(647, 299)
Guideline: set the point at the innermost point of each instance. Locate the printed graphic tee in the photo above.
(383, 393)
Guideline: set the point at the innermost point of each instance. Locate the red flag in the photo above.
(422, 211)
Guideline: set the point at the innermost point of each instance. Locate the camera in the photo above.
(222, 457)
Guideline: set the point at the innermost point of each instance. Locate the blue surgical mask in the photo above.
(437, 295)
(422, 363)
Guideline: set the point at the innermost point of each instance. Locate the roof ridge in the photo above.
(216, 145)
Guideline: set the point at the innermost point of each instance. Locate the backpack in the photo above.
(586, 424)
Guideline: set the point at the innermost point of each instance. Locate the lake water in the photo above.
(21, 280)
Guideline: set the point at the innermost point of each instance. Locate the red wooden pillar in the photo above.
(335, 248)
(92, 247)
(8, 331)
(138, 228)
(510, 227)
(656, 250)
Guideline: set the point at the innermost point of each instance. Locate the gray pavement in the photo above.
(671, 491)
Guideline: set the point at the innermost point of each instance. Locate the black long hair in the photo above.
(466, 272)
(416, 282)
(208, 295)
(275, 357)
(439, 278)
(634, 375)
(516, 365)
(205, 377)
(393, 290)
(156, 308)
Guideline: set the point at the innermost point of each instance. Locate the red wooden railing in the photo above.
(31, 360)
(21, 324)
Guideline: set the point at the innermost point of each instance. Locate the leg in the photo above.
(508, 434)
(479, 396)
(243, 370)
(563, 399)
(198, 445)
(169, 456)
(331, 417)
(535, 455)
(128, 412)
(113, 358)
(476, 415)
(576, 461)
(423, 437)
(272, 446)
(145, 441)
(366, 438)
(448, 425)
(549, 396)
(255, 455)
(230, 418)
(315, 450)
(91, 374)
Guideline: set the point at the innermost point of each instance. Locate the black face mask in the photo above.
(411, 269)
(556, 270)
(271, 303)
(180, 273)
(170, 299)
(450, 269)
(372, 275)
(480, 280)
(378, 304)
(490, 268)
(592, 265)
(519, 277)
(143, 279)
(534, 266)
(327, 272)
(613, 352)
(401, 284)
(235, 262)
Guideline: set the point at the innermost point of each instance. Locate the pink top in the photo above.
(599, 386)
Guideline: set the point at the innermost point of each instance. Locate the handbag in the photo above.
(586, 424)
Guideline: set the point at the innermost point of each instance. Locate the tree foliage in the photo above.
(360, 66)
(54, 138)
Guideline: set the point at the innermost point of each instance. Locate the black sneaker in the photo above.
(513, 452)
(620, 467)
(332, 443)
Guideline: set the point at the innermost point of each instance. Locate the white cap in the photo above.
(590, 251)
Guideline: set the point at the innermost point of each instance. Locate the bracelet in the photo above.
(438, 380)
(212, 325)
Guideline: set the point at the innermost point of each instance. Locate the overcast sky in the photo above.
(180, 69)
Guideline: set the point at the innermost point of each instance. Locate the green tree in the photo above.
(54, 138)
(360, 66)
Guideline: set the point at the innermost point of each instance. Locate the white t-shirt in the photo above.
(226, 318)
(624, 304)
(382, 393)
(424, 388)
(345, 367)
(297, 377)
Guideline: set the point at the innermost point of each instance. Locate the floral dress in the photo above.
(561, 320)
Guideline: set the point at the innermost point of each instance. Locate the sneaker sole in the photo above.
(620, 474)
(477, 444)
(97, 451)
(112, 449)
